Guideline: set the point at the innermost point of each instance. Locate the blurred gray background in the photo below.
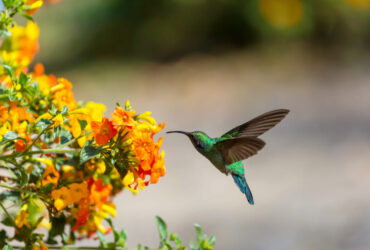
(212, 65)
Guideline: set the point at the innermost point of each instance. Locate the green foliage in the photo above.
(11, 8)
(88, 152)
(168, 240)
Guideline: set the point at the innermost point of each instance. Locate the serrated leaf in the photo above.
(88, 152)
(162, 228)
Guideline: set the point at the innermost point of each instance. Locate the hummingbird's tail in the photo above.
(243, 186)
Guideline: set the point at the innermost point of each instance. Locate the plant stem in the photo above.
(43, 151)
(38, 137)
(15, 188)
(7, 214)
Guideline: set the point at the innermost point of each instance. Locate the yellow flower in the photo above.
(110, 208)
(69, 195)
(58, 120)
(95, 110)
(6, 127)
(22, 218)
(62, 198)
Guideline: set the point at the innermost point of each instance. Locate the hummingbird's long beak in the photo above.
(177, 131)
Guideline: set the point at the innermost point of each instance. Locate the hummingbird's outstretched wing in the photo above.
(237, 149)
(258, 125)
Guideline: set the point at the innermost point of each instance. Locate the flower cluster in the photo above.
(63, 160)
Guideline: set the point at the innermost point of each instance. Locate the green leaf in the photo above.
(10, 196)
(192, 245)
(47, 188)
(199, 233)
(57, 228)
(162, 228)
(9, 136)
(212, 240)
(65, 238)
(56, 131)
(23, 79)
(3, 236)
(4, 33)
(88, 152)
(103, 242)
(7, 247)
(7, 222)
(83, 124)
(65, 136)
(9, 71)
(27, 17)
(177, 240)
(53, 110)
(24, 176)
(65, 110)
(43, 123)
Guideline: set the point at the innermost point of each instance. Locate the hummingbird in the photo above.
(228, 151)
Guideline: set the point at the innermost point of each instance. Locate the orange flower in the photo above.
(63, 95)
(62, 197)
(83, 213)
(20, 145)
(103, 131)
(99, 192)
(50, 175)
(122, 117)
(3, 113)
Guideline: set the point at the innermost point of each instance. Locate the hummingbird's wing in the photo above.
(258, 125)
(237, 149)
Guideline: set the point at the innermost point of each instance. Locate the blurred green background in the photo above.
(211, 65)
(166, 30)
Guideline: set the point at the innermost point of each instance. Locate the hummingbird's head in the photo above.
(198, 138)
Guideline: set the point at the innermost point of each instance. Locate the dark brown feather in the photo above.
(237, 149)
(258, 125)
